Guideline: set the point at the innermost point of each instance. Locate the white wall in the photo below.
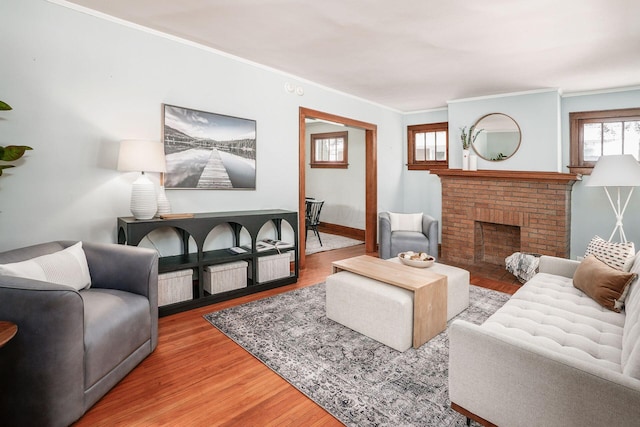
(80, 84)
(591, 212)
(537, 114)
(422, 190)
(343, 190)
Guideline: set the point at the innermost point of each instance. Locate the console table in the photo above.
(197, 229)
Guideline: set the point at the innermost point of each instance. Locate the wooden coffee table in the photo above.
(429, 291)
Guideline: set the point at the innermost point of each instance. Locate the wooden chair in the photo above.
(312, 217)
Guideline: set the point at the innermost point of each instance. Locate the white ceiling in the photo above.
(413, 54)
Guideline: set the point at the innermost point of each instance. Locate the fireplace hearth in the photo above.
(494, 242)
(488, 215)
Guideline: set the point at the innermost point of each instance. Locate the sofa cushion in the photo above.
(550, 312)
(405, 222)
(67, 267)
(631, 335)
(616, 255)
(107, 313)
(604, 284)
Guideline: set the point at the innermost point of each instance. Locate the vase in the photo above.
(473, 162)
(465, 160)
(164, 207)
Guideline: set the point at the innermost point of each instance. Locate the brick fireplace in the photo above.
(488, 215)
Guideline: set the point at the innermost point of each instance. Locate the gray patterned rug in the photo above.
(358, 380)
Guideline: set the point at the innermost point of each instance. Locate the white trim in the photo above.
(430, 110)
(209, 49)
(559, 146)
(504, 95)
(601, 91)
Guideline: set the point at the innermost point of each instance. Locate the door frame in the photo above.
(371, 176)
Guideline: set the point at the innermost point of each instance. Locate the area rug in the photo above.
(358, 380)
(329, 243)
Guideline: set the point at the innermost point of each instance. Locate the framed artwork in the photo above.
(208, 151)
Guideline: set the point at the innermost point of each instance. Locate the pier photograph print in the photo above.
(208, 151)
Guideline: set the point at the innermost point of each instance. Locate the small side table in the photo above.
(7, 331)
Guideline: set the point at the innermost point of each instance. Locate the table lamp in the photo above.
(616, 171)
(142, 156)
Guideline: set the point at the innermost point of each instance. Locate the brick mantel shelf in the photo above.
(489, 214)
(514, 175)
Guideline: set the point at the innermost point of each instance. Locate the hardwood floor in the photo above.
(199, 377)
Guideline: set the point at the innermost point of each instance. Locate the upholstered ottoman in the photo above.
(457, 286)
(384, 312)
(375, 309)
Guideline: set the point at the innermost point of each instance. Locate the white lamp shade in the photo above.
(615, 171)
(141, 156)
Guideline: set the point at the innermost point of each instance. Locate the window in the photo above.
(329, 150)
(428, 146)
(598, 133)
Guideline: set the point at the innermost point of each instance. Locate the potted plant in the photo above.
(467, 139)
(470, 138)
(10, 153)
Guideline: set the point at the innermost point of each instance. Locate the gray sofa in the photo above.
(392, 242)
(551, 356)
(73, 346)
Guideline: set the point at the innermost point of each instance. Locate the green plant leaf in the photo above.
(4, 106)
(476, 135)
(13, 152)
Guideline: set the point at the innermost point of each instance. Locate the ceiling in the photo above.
(412, 55)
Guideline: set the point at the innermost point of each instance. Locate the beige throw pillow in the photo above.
(405, 222)
(67, 267)
(604, 284)
(616, 255)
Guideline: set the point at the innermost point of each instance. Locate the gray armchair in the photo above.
(73, 347)
(391, 243)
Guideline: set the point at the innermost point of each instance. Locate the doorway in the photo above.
(371, 176)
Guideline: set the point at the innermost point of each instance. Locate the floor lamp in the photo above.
(616, 171)
(142, 156)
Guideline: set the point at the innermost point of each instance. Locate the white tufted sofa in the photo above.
(551, 356)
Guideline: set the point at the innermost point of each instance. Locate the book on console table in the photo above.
(266, 244)
(176, 215)
(237, 250)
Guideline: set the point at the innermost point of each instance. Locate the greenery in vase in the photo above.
(10, 153)
(468, 138)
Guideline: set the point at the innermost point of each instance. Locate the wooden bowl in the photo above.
(406, 260)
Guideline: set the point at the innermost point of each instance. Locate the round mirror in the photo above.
(498, 138)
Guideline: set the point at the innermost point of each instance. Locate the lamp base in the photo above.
(144, 203)
(619, 212)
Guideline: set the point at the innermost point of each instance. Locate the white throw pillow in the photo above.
(616, 255)
(405, 222)
(67, 267)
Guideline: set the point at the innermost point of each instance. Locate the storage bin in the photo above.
(225, 277)
(175, 287)
(272, 267)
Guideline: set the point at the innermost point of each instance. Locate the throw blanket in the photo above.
(522, 265)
